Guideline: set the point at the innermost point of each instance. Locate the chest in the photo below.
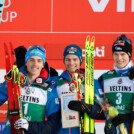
(33, 95)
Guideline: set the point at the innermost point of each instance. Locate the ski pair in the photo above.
(89, 82)
(13, 85)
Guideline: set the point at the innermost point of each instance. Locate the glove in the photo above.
(53, 72)
(131, 74)
(20, 53)
(80, 106)
(21, 124)
(121, 118)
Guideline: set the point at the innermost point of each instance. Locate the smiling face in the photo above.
(72, 63)
(121, 59)
(34, 66)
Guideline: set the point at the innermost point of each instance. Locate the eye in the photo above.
(67, 59)
(31, 59)
(75, 59)
(40, 60)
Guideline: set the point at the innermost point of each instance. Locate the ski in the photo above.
(1, 8)
(86, 117)
(78, 81)
(13, 88)
(91, 82)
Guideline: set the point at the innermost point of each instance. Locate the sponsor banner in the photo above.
(3, 112)
(55, 44)
(68, 16)
(17, 16)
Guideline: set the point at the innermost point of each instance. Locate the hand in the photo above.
(131, 74)
(21, 124)
(121, 118)
(80, 106)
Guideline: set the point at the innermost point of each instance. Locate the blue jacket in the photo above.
(95, 108)
(51, 107)
(106, 81)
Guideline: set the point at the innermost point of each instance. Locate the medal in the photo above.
(28, 90)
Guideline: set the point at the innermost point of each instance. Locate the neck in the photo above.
(31, 78)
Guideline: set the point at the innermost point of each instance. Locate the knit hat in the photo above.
(122, 43)
(36, 50)
(73, 49)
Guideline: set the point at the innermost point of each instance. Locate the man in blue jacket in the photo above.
(118, 85)
(72, 58)
(39, 99)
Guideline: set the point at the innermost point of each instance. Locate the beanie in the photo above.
(122, 43)
(36, 50)
(73, 49)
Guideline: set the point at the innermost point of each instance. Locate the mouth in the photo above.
(34, 68)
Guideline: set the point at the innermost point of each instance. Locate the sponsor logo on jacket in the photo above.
(120, 88)
(30, 99)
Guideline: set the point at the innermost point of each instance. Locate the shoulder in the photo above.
(108, 74)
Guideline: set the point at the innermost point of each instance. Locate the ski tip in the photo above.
(88, 38)
(93, 39)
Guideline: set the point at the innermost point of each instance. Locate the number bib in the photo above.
(119, 91)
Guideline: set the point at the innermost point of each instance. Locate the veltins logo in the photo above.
(8, 16)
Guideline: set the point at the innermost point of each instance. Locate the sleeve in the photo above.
(97, 112)
(100, 80)
(3, 93)
(45, 127)
(53, 116)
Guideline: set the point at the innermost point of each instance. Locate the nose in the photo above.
(71, 62)
(35, 63)
(119, 57)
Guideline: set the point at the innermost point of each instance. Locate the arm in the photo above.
(45, 127)
(94, 111)
(3, 93)
(97, 112)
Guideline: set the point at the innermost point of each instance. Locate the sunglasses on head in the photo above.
(37, 47)
(124, 38)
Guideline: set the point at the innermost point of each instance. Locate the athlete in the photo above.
(117, 86)
(72, 58)
(39, 99)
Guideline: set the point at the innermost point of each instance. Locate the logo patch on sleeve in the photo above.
(50, 89)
